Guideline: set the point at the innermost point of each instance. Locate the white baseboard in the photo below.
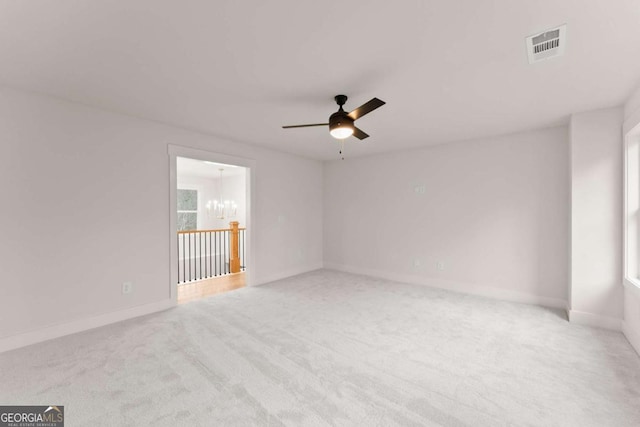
(466, 288)
(288, 273)
(632, 336)
(596, 320)
(55, 331)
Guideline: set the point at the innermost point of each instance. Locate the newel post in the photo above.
(234, 257)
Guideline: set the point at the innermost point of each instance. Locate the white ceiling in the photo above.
(199, 168)
(448, 70)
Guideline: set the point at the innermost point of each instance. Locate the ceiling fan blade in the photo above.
(359, 133)
(366, 108)
(305, 126)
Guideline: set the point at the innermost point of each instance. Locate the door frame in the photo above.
(175, 151)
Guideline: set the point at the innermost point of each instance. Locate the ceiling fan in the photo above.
(341, 124)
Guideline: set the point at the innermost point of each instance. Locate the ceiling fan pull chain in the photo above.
(342, 148)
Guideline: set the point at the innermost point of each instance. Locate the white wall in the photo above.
(631, 324)
(234, 189)
(596, 218)
(494, 211)
(86, 207)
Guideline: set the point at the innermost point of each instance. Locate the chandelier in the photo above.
(223, 208)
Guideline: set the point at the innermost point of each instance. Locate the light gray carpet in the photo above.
(328, 348)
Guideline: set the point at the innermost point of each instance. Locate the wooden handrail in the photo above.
(209, 231)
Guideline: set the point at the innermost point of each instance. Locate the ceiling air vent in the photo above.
(547, 44)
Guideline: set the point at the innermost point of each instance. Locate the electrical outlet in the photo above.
(440, 265)
(419, 189)
(127, 287)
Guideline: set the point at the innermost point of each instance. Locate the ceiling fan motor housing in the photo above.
(340, 119)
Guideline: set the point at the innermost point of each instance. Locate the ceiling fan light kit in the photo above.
(341, 124)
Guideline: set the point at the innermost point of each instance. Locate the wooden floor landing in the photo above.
(215, 285)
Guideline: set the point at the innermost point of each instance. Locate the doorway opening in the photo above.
(210, 224)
